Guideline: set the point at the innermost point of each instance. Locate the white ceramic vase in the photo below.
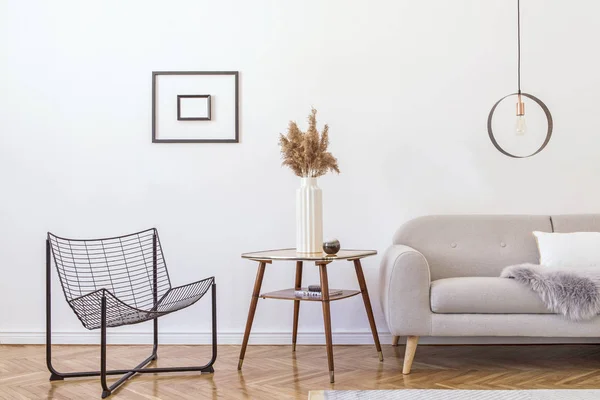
(309, 217)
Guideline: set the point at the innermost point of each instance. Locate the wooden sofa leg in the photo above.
(409, 354)
(395, 340)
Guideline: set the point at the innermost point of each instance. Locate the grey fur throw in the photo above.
(572, 292)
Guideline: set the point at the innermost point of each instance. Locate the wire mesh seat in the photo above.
(119, 281)
(119, 313)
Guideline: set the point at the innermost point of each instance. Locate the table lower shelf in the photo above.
(289, 294)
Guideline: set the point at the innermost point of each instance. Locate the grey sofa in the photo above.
(441, 278)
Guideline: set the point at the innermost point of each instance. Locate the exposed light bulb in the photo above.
(521, 125)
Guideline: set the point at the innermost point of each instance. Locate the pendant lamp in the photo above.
(520, 127)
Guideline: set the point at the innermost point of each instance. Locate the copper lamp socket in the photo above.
(520, 107)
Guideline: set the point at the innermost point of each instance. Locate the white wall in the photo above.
(405, 86)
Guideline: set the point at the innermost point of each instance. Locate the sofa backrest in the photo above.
(473, 245)
(576, 223)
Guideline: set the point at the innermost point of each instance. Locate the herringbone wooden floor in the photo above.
(274, 372)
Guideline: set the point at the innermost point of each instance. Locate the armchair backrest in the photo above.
(132, 267)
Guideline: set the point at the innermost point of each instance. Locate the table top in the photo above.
(292, 255)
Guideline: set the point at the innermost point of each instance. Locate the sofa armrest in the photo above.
(404, 283)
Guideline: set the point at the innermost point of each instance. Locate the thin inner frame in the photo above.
(194, 96)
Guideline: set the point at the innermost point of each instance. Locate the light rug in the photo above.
(414, 394)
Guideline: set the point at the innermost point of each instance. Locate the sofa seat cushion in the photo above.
(484, 295)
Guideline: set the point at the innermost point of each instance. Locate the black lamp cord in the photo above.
(519, 45)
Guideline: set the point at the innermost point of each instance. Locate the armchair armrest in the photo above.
(405, 283)
(184, 294)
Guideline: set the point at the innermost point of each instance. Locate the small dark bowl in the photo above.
(331, 247)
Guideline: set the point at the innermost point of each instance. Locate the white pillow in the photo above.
(577, 249)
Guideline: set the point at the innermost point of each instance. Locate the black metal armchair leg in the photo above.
(155, 347)
(54, 374)
(105, 390)
(208, 368)
(127, 373)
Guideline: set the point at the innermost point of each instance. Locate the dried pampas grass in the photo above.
(306, 152)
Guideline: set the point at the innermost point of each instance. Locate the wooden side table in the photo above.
(321, 261)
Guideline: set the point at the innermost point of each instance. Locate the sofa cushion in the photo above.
(569, 250)
(484, 295)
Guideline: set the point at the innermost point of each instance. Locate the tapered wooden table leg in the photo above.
(297, 286)
(327, 317)
(255, 293)
(365, 295)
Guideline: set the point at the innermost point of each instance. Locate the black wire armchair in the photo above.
(119, 281)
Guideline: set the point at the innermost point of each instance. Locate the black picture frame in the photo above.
(236, 138)
(193, 96)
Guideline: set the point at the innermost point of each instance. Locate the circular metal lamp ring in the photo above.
(548, 117)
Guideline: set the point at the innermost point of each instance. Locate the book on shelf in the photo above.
(304, 292)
